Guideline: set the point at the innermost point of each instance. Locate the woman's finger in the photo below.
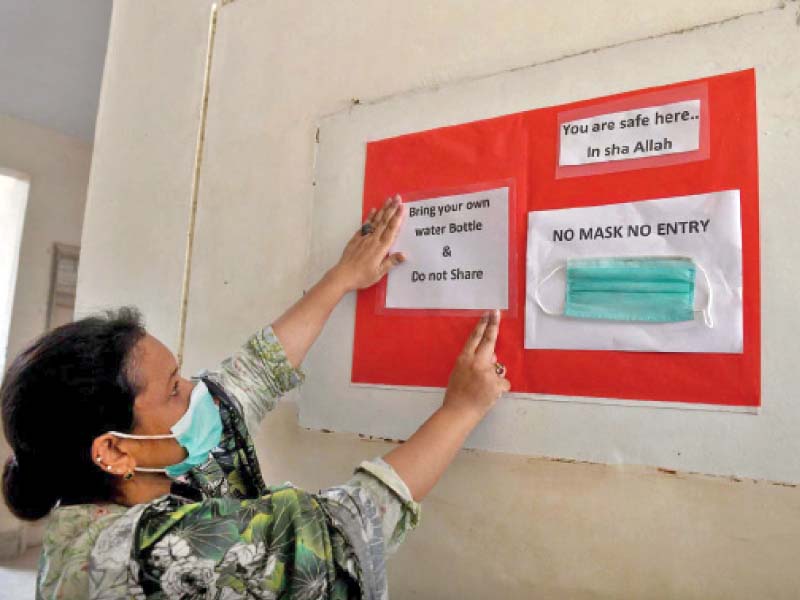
(477, 334)
(369, 221)
(391, 261)
(485, 347)
(388, 212)
(390, 233)
(373, 219)
(381, 215)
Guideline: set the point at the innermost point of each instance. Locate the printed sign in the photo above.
(456, 250)
(640, 133)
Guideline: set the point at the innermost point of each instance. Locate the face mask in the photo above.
(657, 289)
(199, 431)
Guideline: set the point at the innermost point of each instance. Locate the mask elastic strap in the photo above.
(536, 293)
(709, 321)
(131, 436)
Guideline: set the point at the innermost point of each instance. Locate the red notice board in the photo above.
(408, 348)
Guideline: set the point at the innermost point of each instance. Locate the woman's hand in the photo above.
(364, 261)
(475, 384)
(365, 258)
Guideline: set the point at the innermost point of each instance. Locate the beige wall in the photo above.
(58, 168)
(511, 527)
(496, 526)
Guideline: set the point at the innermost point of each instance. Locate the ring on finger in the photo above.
(367, 228)
(500, 369)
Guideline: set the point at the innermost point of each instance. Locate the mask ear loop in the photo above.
(131, 436)
(707, 318)
(149, 470)
(539, 300)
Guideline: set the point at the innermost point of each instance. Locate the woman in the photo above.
(151, 480)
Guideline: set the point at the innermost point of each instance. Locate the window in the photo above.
(13, 201)
(64, 279)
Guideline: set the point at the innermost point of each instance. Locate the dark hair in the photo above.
(68, 387)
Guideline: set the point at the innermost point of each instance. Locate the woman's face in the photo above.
(162, 402)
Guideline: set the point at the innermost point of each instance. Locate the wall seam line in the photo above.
(356, 102)
(198, 161)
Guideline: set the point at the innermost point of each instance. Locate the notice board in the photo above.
(691, 144)
(727, 439)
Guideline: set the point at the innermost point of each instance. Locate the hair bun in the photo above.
(28, 495)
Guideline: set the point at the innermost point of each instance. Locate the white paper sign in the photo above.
(456, 250)
(705, 228)
(639, 133)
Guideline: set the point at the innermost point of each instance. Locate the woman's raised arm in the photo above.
(364, 261)
(476, 383)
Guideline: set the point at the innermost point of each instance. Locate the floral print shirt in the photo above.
(222, 533)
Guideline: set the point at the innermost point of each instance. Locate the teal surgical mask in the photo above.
(199, 431)
(656, 289)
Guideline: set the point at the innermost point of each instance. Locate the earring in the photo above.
(99, 458)
(108, 468)
(128, 476)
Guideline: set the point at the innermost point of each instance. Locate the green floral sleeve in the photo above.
(387, 492)
(400, 512)
(257, 375)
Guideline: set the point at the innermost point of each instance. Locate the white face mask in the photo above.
(199, 431)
